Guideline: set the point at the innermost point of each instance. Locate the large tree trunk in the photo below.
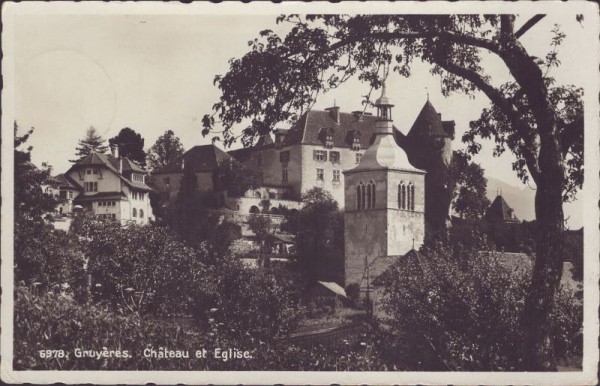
(550, 175)
(547, 273)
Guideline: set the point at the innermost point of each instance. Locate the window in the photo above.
(284, 175)
(358, 157)
(90, 186)
(371, 195)
(334, 157)
(406, 196)
(114, 216)
(356, 143)
(360, 194)
(88, 171)
(167, 181)
(336, 176)
(365, 196)
(284, 156)
(320, 175)
(141, 213)
(319, 155)
(95, 171)
(62, 193)
(70, 194)
(134, 212)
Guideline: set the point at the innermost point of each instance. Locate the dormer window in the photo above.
(356, 143)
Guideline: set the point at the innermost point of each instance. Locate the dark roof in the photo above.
(112, 163)
(429, 124)
(64, 181)
(199, 158)
(309, 129)
(500, 211)
(381, 272)
(99, 196)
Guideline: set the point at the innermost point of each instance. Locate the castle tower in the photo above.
(428, 145)
(385, 201)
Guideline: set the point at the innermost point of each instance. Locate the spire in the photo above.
(384, 107)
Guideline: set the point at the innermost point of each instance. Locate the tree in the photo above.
(41, 253)
(319, 230)
(464, 313)
(91, 142)
(235, 178)
(166, 148)
(469, 197)
(131, 145)
(541, 123)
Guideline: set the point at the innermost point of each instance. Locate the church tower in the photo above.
(385, 201)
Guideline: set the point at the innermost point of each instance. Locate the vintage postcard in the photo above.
(300, 193)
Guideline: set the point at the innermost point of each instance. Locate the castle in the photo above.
(394, 188)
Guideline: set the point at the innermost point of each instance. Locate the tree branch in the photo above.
(497, 97)
(528, 24)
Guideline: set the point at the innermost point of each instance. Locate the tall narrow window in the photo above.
(368, 203)
(134, 212)
(412, 197)
(360, 196)
(371, 194)
(402, 195)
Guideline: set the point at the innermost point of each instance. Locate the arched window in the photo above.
(141, 213)
(412, 197)
(360, 190)
(254, 209)
(257, 194)
(402, 196)
(371, 190)
(134, 212)
(368, 203)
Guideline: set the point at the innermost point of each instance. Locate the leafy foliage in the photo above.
(542, 124)
(468, 309)
(131, 145)
(469, 196)
(235, 178)
(319, 230)
(91, 142)
(166, 148)
(41, 254)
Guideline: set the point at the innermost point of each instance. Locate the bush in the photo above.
(465, 314)
(57, 322)
(353, 293)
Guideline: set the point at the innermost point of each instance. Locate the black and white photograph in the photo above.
(347, 193)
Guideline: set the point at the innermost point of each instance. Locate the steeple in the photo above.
(384, 152)
(384, 107)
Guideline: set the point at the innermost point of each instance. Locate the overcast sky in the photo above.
(154, 73)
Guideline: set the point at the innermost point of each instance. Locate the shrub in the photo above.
(465, 314)
(353, 293)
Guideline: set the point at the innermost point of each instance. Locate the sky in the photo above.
(154, 73)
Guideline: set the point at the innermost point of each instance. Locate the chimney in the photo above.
(115, 151)
(334, 112)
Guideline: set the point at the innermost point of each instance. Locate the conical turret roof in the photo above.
(500, 211)
(428, 123)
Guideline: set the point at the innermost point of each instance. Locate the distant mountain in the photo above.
(522, 199)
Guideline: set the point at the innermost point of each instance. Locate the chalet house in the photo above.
(108, 186)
